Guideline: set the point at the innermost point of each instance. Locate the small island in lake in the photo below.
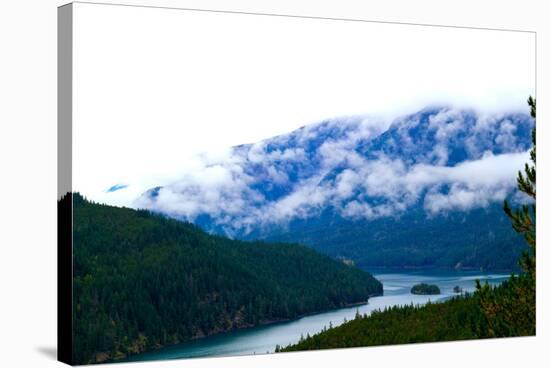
(425, 289)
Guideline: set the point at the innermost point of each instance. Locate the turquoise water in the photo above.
(263, 339)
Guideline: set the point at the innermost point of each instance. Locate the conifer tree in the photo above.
(510, 310)
(523, 218)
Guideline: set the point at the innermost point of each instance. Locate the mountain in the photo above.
(424, 190)
(142, 280)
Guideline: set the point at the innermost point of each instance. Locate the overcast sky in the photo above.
(154, 87)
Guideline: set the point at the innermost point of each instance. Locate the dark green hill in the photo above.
(142, 281)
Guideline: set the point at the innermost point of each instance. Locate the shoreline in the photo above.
(383, 269)
(260, 324)
(282, 322)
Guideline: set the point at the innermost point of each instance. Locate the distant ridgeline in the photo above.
(423, 191)
(480, 239)
(142, 280)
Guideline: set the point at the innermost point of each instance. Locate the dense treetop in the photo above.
(142, 280)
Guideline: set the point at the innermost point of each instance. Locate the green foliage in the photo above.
(141, 281)
(459, 318)
(523, 218)
(425, 289)
(456, 319)
(512, 311)
(508, 310)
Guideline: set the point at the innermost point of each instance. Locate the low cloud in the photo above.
(297, 176)
(116, 187)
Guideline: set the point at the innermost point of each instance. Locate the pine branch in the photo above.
(523, 218)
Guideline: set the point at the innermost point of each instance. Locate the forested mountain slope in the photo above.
(142, 280)
(423, 190)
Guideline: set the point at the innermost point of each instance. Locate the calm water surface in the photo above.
(263, 339)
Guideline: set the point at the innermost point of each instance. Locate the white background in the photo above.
(28, 183)
(154, 86)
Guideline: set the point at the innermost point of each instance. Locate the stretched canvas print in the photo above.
(238, 184)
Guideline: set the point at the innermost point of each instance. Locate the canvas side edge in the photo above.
(64, 184)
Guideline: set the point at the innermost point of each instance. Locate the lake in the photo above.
(263, 339)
